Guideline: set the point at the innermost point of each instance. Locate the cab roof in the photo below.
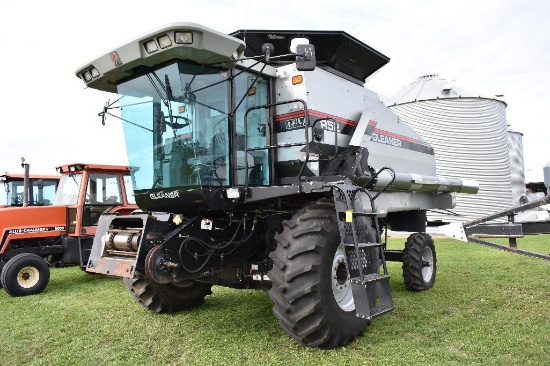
(78, 167)
(19, 176)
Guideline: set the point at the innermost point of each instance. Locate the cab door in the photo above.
(252, 166)
(102, 193)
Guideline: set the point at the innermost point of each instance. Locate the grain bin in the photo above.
(517, 167)
(468, 132)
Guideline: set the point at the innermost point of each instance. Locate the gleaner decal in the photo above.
(159, 195)
(389, 138)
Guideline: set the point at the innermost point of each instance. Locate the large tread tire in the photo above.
(25, 274)
(302, 292)
(169, 298)
(2, 263)
(419, 262)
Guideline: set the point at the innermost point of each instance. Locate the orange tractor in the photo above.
(41, 189)
(33, 238)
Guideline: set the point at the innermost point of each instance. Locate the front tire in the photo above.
(309, 280)
(419, 262)
(167, 298)
(25, 274)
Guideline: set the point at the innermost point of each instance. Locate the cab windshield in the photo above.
(69, 189)
(176, 126)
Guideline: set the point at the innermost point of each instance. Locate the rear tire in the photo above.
(169, 298)
(419, 262)
(2, 263)
(306, 263)
(25, 274)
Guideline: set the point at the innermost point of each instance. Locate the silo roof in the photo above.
(432, 87)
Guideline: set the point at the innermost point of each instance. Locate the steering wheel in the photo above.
(176, 125)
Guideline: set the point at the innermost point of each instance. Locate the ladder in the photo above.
(364, 251)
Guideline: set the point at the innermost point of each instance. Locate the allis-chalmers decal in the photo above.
(161, 195)
(35, 230)
(29, 230)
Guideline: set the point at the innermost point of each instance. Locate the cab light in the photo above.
(297, 79)
(150, 46)
(233, 193)
(94, 72)
(164, 41)
(183, 37)
(87, 75)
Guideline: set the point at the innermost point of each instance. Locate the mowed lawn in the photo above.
(487, 307)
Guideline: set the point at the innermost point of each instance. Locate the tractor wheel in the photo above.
(311, 290)
(168, 298)
(25, 274)
(2, 263)
(419, 262)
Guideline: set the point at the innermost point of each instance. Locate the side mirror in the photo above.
(305, 57)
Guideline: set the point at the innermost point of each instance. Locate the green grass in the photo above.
(487, 307)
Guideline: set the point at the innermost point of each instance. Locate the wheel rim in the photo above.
(28, 277)
(427, 264)
(341, 286)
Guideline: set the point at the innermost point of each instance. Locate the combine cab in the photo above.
(33, 238)
(41, 189)
(266, 165)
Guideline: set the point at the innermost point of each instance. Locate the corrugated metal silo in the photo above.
(517, 167)
(546, 172)
(469, 135)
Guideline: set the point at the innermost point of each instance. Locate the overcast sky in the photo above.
(47, 116)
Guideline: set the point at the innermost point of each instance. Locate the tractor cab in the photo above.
(42, 189)
(88, 190)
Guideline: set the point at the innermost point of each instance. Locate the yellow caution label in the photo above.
(349, 215)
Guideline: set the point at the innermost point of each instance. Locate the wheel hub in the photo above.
(427, 264)
(28, 277)
(340, 280)
(157, 266)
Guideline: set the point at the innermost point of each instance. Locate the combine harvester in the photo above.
(266, 164)
(33, 238)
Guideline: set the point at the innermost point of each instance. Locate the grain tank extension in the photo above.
(266, 165)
